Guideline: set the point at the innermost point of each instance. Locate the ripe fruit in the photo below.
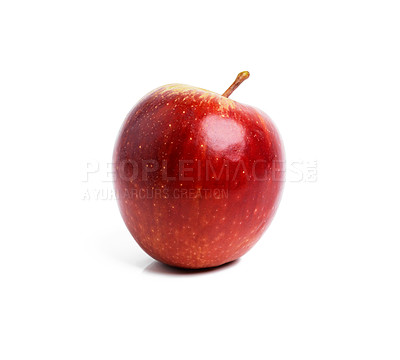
(198, 176)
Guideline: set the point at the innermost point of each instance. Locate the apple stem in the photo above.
(239, 79)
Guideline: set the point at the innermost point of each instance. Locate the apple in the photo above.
(198, 176)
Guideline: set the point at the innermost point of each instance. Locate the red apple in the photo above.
(198, 176)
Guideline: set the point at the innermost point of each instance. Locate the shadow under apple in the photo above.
(159, 268)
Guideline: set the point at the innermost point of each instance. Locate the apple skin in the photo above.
(198, 176)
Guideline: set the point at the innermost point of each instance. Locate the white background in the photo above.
(323, 283)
